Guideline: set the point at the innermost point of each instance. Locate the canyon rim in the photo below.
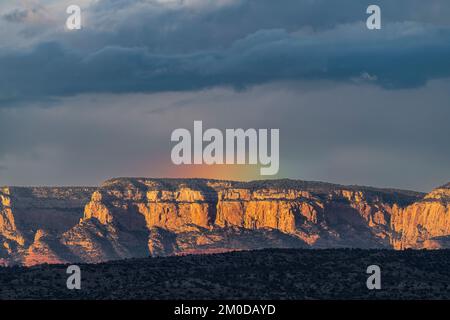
(140, 217)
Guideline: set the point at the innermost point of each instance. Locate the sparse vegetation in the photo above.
(265, 274)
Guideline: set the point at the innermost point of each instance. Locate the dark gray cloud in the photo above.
(181, 29)
(353, 105)
(16, 15)
(402, 55)
(22, 15)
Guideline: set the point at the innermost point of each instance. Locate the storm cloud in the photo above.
(403, 55)
(353, 105)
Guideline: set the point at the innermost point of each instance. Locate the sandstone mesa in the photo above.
(140, 217)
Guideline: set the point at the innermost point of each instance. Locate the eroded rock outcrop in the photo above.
(173, 216)
(31, 219)
(423, 224)
(43, 250)
(11, 239)
(138, 217)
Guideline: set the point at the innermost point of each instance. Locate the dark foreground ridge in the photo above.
(265, 274)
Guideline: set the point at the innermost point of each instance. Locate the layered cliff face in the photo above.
(10, 237)
(138, 217)
(31, 218)
(424, 224)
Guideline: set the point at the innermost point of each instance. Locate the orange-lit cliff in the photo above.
(138, 217)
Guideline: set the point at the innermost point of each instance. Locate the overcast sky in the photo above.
(354, 106)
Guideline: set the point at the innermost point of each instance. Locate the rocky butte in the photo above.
(140, 217)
